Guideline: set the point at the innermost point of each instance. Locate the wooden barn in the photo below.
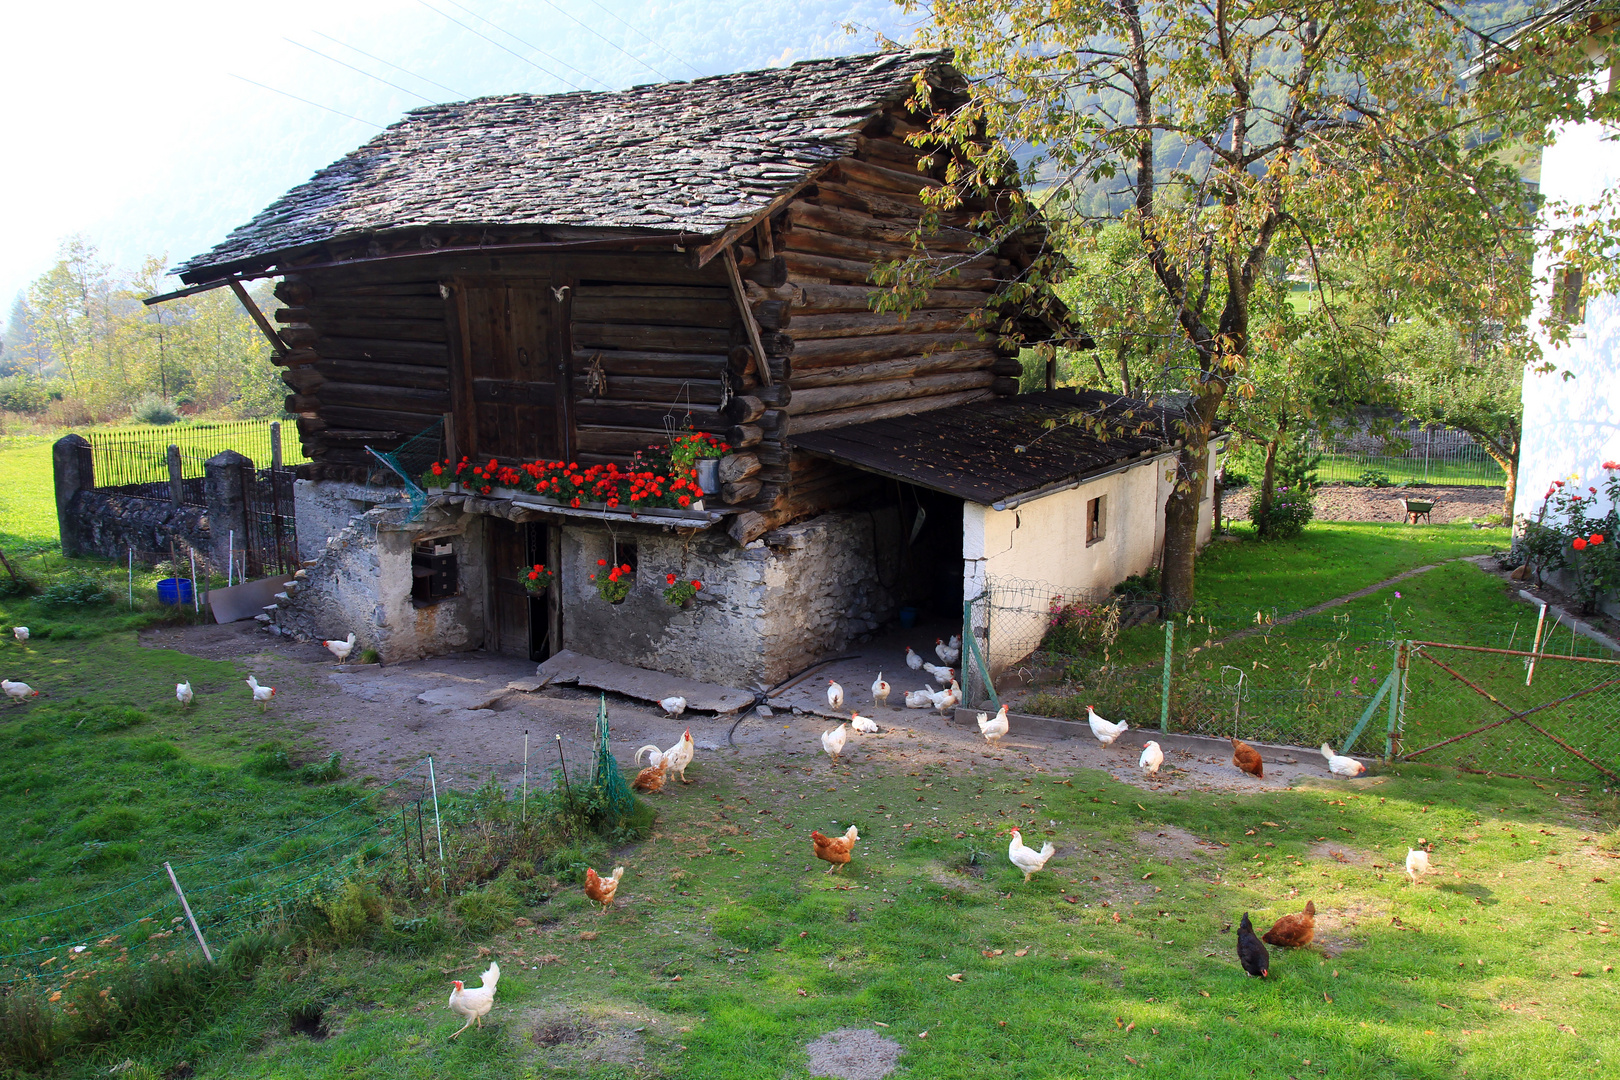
(579, 277)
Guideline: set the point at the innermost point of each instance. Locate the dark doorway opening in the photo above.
(521, 623)
(930, 552)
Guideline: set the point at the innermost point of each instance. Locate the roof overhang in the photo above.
(1006, 452)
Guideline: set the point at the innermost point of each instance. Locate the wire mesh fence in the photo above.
(1410, 453)
(1513, 713)
(136, 459)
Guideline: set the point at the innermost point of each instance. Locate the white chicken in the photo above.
(18, 691)
(20, 633)
(919, 699)
(832, 740)
(678, 756)
(880, 691)
(261, 694)
(341, 649)
(993, 730)
(1152, 757)
(673, 706)
(941, 675)
(1106, 732)
(182, 693)
(863, 724)
(942, 700)
(948, 654)
(475, 1004)
(1339, 765)
(913, 661)
(1417, 864)
(1028, 859)
(835, 695)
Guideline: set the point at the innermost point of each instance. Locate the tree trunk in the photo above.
(1181, 509)
(1122, 353)
(1268, 488)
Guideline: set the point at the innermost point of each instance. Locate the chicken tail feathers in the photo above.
(1047, 851)
(1327, 751)
(649, 749)
(492, 975)
(618, 872)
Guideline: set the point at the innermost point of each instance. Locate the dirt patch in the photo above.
(561, 1032)
(576, 1039)
(1339, 853)
(1174, 843)
(1337, 927)
(854, 1054)
(1341, 502)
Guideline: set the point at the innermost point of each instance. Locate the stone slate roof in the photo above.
(689, 157)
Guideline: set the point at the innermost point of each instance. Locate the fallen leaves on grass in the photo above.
(956, 977)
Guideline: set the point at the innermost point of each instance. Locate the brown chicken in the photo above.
(1293, 931)
(602, 889)
(651, 779)
(834, 849)
(1248, 758)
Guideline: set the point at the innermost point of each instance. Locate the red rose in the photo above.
(1580, 543)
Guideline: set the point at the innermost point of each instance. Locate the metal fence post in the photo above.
(1397, 694)
(1164, 693)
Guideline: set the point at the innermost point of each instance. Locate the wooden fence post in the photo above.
(177, 490)
(275, 444)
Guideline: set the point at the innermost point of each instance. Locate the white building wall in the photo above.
(1044, 542)
(1572, 414)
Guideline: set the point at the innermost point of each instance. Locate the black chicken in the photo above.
(1251, 954)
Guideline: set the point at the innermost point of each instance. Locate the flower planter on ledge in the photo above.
(692, 515)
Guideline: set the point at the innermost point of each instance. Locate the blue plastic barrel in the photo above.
(174, 590)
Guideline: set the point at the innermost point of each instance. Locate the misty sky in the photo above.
(134, 123)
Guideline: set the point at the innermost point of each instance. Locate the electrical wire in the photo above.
(367, 74)
(527, 44)
(306, 101)
(645, 38)
(499, 46)
(592, 32)
(447, 89)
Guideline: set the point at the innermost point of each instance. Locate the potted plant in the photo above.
(680, 593)
(696, 450)
(537, 579)
(613, 582)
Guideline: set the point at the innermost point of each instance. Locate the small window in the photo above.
(624, 554)
(1569, 305)
(1096, 519)
(433, 571)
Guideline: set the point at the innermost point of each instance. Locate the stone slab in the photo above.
(525, 686)
(1050, 728)
(469, 698)
(571, 667)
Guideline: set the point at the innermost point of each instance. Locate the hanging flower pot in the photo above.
(680, 593)
(708, 471)
(537, 579)
(613, 582)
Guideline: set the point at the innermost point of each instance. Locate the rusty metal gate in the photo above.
(1509, 713)
(272, 542)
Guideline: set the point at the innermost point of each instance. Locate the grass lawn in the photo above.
(27, 500)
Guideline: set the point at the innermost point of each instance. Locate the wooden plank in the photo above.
(677, 339)
(891, 153)
(637, 414)
(657, 310)
(657, 364)
(705, 254)
(364, 307)
(408, 399)
(905, 367)
(819, 242)
(853, 298)
(828, 398)
(870, 175)
(837, 352)
(403, 352)
(387, 329)
(739, 296)
(383, 374)
(378, 419)
(593, 291)
(867, 324)
(277, 345)
(668, 391)
(620, 442)
(883, 411)
(858, 225)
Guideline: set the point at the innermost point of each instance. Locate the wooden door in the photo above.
(520, 623)
(511, 387)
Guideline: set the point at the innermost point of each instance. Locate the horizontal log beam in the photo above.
(656, 310)
(619, 441)
(859, 298)
(400, 352)
(883, 179)
(904, 368)
(379, 419)
(871, 323)
(650, 338)
(657, 364)
(858, 225)
(820, 242)
(837, 352)
(402, 398)
(384, 374)
(667, 391)
(882, 411)
(828, 398)
(636, 414)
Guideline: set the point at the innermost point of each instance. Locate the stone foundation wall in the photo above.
(109, 523)
(765, 611)
(325, 508)
(361, 582)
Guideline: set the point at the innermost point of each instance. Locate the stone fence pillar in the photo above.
(226, 478)
(75, 472)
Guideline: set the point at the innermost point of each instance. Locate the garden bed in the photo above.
(1342, 502)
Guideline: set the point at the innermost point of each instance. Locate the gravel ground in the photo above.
(1341, 502)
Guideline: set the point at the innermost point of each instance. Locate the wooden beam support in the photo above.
(277, 346)
(739, 295)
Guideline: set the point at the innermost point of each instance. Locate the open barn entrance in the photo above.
(927, 553)
(521, 622)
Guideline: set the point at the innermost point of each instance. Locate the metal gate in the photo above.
(272, 541)
(1509, 713)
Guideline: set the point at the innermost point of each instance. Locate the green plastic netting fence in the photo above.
(411, 459)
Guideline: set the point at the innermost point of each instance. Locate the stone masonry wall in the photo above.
(765, 611)
(109, 523)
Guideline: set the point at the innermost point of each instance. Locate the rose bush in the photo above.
(1569, 533)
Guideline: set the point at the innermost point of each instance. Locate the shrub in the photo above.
(1291, 510)
(483, 911)
(31, 1032)
(1374, 478)
(1144, 585)
(23, 393)
(351, 911)
(76, 588)
(152, 409)
(330, 769)
(1081, 625)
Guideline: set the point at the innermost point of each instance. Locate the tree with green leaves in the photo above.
(1241, 133)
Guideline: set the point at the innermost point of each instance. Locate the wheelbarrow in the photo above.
(1419, 508)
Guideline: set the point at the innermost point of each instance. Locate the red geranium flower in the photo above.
(601, 562)
(1595, 538)
(1580, 543)
(669, 579)
(697, 584)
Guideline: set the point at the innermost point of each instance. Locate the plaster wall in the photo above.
(1572, 414)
